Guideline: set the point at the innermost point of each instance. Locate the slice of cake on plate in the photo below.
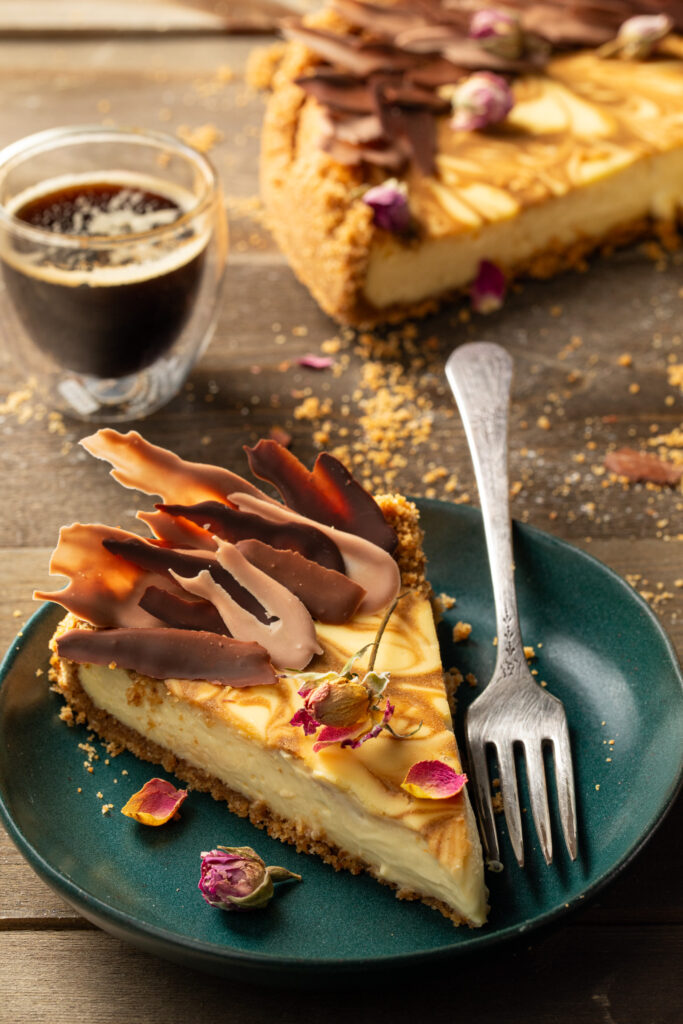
(414, 150)
(280, 655)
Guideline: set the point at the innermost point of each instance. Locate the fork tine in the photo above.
(538, 795)
(482, 796)
(508, 781)
(564, 778)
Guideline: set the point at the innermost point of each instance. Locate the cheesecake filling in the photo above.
(394, 852)
(649, 188)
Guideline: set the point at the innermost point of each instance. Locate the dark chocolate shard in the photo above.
(171, 654)
(328, 494)
(157, 559)
(182, 614)
(329, 596)
(232, 525)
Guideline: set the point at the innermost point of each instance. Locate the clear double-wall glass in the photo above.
(112, 252)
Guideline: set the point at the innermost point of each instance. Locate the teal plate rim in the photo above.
(227, 959)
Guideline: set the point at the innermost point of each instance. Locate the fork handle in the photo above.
(480, 375)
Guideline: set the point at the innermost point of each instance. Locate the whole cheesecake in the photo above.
(165, 650)
(585, 152)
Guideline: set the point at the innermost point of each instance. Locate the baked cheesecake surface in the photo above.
(590, 154)
(346, 803)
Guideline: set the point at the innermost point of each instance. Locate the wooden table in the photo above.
(616, 962)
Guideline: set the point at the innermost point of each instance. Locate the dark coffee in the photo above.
(104, 311)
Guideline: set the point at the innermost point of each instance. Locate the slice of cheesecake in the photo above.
(232, 732)
(590, 154)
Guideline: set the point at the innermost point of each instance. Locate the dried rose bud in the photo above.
(155, 804)
(236, 878)
(389, 203)
(487, 291)
(498, 32)
(482, 99)
(638, 37)
(341, 704)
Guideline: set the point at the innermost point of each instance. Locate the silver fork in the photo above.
(513, 709)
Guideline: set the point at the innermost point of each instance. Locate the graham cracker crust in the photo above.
(64, 675)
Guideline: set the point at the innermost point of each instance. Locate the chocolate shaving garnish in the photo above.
(166, 561)
(181, 614)
(232, 525)
(171, 654)
(426, 44)
(154, 470)
(328, 493)
(329, 596)
(289, 637)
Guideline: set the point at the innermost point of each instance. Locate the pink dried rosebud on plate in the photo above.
(487, 291)
(481, 100)
(433, 780)
(389, 204)
(498, 32)
(155, 804)
(638, 37)
(236, 878)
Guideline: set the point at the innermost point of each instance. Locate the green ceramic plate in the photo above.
(603, 653)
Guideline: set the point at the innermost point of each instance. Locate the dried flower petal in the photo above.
(314, 362)
(330, 734)
(155, 804)
(481, 100)
(389, 202)
(498, 32)
(638, 37)
(487, 291)
(642, 466)
(236, 878)
(305, 719)
(433, 780)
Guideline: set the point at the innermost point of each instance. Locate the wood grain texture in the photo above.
(608, 964)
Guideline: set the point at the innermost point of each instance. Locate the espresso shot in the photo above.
(105, 312)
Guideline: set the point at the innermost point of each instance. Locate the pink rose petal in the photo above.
(314, 362)
(305, 719)
(433, 780)
(334, 734)
(155, 804)
(488, 288)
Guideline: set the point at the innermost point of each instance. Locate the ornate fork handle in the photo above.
(480, 375)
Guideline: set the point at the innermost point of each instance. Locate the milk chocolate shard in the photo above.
(177, 565)
(329, 596)
(327, 493)
(290, 638)
(103, 589)
(171, 654)
(233, 525)
(181, 613)
(153, 470)
(370, 566)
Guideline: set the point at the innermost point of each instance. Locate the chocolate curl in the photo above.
(171, 654)
(233, 525)
(103, 589)
(329, 596)
(153, 470)
(367, 564)
(177, 532)
(175, 564)
(290, 639)
(328, 494)
(182, 614)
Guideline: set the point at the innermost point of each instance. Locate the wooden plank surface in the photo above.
(610, 963)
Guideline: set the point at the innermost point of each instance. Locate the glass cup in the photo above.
(112, 251)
